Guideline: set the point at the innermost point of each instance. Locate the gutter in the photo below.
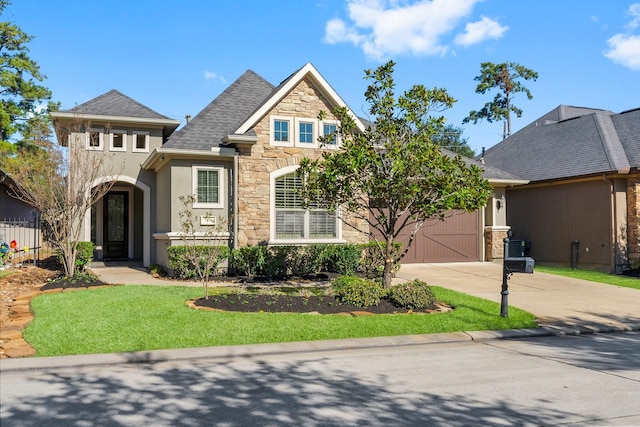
(160, 156)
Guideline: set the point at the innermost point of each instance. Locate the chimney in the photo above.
(188, 117)
(482, 156)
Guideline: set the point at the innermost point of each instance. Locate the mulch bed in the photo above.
(294, 304)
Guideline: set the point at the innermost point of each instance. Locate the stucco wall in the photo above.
(258, 161)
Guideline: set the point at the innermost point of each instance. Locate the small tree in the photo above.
(504, 77)
(392, 175)
(200, 249)
(61, 183)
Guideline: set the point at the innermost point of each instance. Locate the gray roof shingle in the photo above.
(570, 142)
(114, 103)
(223, 115)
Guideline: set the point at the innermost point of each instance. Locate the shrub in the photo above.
(179, 260)
(341, 259)
(84, 255)
(157, 270)
(358, 291)
(248, 260)
(372, 263)
(414, 295)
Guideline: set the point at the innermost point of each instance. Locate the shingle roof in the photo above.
(570, 142)
(114, 103)
(223, 115)
(488, 172)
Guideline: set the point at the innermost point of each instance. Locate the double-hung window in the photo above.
(292, 221)
(329, 134)
(281, 129)
(207, 187)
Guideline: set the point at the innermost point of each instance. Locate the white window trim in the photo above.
(134, 148)
(124, 140)
(314, 143)
(321, 133)
(272, 215)
(221, 186)
(292, 132)
(87, 137)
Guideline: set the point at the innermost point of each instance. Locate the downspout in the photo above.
(235, 201)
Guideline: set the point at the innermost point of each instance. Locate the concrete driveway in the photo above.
(557, 301)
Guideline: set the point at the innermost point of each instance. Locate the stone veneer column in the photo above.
(494, 241)
(633, 219)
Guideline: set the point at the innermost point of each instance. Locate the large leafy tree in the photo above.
(21, 95)
(505, 77)
(392, 175)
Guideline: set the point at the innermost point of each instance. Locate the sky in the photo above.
(176, 56)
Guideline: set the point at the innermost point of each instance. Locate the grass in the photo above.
(138, 318)
(594, 276)
(5, 273)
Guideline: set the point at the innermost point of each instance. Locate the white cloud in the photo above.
(624, 49)
(210, 75)
(382, 28)
(477, 32)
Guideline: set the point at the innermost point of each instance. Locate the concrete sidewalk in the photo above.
(558, 302)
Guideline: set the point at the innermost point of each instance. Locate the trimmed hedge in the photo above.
(303, 260)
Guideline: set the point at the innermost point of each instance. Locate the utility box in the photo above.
(519, 265)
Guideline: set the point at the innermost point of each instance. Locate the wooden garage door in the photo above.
(456, 239)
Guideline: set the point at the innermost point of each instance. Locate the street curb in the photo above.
(255, 350)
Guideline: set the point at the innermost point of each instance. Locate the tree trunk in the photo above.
(387, 273)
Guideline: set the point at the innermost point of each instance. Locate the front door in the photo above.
(116, 225)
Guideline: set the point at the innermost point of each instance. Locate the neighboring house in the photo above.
(10, 207)
(583, 166)
(239, 156)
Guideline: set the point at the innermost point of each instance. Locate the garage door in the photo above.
(456, 239)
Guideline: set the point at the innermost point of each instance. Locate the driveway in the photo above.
(557, 301)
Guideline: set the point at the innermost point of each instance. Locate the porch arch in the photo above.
(146, 212)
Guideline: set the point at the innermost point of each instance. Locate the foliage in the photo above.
(342, 259)
(84, 255)
(414, 295)
(182, 260)
(504, 77)
(201, 251)
(451, 139)
(156, 270)
(20, 94)
(392, 175)
(358, 291)
(279, 261)
(372, 262)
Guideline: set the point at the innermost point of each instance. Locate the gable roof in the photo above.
(223, 115)
(308, 70)
(571, 142)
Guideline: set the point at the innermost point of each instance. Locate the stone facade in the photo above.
(258, 161)
(494, 242)
(633, 219)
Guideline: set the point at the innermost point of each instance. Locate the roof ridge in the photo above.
(611, 143)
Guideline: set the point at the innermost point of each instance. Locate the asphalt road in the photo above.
(566, 380)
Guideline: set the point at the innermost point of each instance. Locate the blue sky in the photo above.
(177, 56)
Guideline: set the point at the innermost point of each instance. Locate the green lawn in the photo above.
(5, 273)
(137, 318)
(594, 276)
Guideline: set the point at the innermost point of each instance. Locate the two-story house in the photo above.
(238, 156)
